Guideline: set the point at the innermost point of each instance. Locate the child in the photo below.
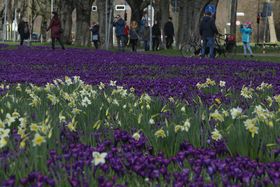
(95, 34)
(246, 31)
(133, 34)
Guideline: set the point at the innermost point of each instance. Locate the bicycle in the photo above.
(193, 46)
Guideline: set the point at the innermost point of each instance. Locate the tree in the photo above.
(137, 8)
(44, 12)
(190, 14)
(233, 17)
(101, 6)
(83, 11)
(164, 14)
(67, 8)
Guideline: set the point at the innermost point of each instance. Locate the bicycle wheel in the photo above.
(187, 50)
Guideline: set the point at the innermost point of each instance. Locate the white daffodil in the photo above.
(216, 135)
(250, 125)
(76, 111)
(247, 92)
(136, 136)
(3, 142)
(151, 121)
(113, 83)
(186, 125)
(76, 79)
(210, 82)
(2, 125)
(98, 158)
(222, 84)
(4, 133)
(115, 102)
(54, 100)
(86, 102)
(264, 86)
(68, 80)
(132, 90)
(235, 112)
(277, 98)
(62, 118)
(217, 116)
(9, 119)
(101, 86)
(38, 140)
(72, 125)
(183, 109)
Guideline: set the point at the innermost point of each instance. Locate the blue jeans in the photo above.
(209, 42)
(246, 45)
(121, 41)
(146, 45)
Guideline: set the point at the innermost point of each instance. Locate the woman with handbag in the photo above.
(56, 30)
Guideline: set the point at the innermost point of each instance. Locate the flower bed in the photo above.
(156, 75)
(68, 132)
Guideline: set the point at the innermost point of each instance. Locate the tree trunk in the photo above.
(67, 8)
(190, 14)
(157, 10)
(137, 8)
(101, 10)
(44, 26)
(83, 12)
(164, 12)
(10, 11)
(233, 17)
(23, 8)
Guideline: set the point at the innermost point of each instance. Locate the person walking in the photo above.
(126, 33)
(207, 30)
(246, 31)
(146, 37)
(23, 30)
(169, 33)
(143, 22)
(119, 25)
(95, 34)
(156, 36)
(56, 30)
(134, 35)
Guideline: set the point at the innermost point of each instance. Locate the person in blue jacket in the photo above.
(246, 31)
(208, 30)
(119, 25)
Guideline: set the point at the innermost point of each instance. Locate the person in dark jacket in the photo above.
(146, 37)
(23, 30)
(169, 33)
(134, 35)
(119, 25)
(207, 31)
(56, 30)
(156, 36)
(95, 34)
